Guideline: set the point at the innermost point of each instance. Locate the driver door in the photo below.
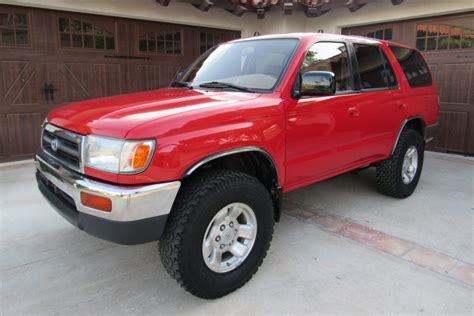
(323, 131)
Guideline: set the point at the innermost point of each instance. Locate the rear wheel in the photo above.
(398, 176)
(218, 233)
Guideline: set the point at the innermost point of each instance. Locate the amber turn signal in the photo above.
(98, 202)
(140, 155)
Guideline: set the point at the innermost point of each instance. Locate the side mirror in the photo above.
(318, 83)
(179, 74)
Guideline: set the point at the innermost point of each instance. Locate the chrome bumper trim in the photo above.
(128, 203)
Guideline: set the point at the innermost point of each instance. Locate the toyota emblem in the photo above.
(55, 144)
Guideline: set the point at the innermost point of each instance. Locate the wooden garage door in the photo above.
(448, 45)
(50, 58)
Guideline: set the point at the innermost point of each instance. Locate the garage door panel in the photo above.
(23, 133)
(452, 133)
(3, 135)
(106, 80)
(77, 81)
(169, 73)
(20, 83)
(81, 56)
(454, 83)
(68, 84)
(434, 71)
(10, 72)
(145, 77)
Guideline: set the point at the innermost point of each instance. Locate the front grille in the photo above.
(64, 146)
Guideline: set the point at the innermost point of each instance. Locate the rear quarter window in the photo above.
(374, 69)
(414, 66)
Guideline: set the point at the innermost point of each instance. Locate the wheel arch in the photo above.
(416, 123)
(252, 160)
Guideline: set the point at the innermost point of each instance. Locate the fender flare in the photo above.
(229, 152)
(408, 120)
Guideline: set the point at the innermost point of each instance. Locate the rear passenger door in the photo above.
(380, 109)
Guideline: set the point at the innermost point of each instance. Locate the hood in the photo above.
(116, 116)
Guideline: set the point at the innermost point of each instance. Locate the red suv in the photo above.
(201, 165)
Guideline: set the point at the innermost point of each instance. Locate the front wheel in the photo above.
(398, 176)
(218, 233)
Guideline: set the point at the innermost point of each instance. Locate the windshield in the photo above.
(253, 65)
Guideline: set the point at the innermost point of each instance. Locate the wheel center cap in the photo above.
(227, 236)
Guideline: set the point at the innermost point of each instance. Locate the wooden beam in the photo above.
(237, 10)
(163, 2)
(354, 5)
(315, 8)
(314, 12)
(315, 3)
(287, 7)
(204, 5)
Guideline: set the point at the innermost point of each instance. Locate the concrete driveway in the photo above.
(340, 248)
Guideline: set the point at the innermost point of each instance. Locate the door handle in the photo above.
(354, 111)
(48, 90)
(51, 91)
(47, 95)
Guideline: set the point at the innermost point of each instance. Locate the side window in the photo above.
(75, 33)
(208, 40)
(443, 36)
(14, 29)
(160, 42)
(372, 67)
(413, 65)
(383, 34)
(329, 56)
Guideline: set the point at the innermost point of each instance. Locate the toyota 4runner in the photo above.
(201, 165)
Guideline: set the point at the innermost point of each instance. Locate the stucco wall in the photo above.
(274, 22)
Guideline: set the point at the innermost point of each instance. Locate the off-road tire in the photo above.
(389, 172)
(199, 199)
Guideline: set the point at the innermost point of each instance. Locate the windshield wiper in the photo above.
(180, 84)
(218, 84)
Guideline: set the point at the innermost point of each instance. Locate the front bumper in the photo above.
(138, 213)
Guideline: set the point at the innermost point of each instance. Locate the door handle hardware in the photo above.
(126, 57)
(51, 91)
(354, 111)
(48, 90)
(403, 106)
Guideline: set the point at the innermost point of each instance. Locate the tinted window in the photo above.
(413, 65)
(371, 67)
(331, 57)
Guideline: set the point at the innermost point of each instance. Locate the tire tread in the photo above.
(387, 176)
(191, 194)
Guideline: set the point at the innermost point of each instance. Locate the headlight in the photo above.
(117, 155)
